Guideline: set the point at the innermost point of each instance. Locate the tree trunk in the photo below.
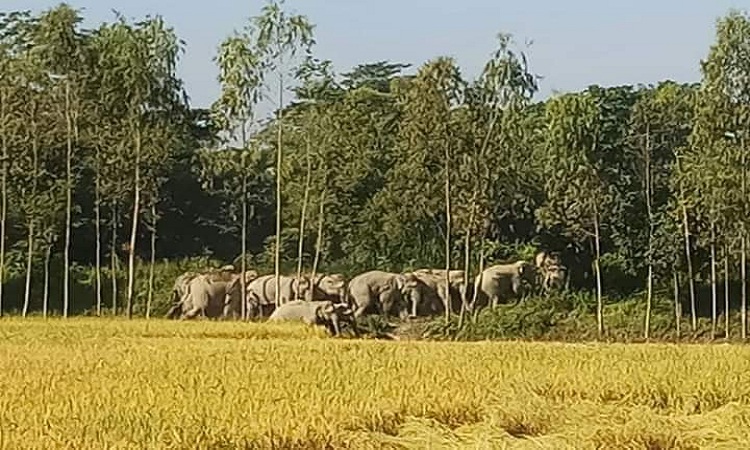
(476, 291)
(243, 261)
(597, 270)
(691, 280)
(743, 261)
(448, 220)
(649, 212)
(97, 220)
(45, 296)
(3, 192)
(68, 200)
(279, 136)
(113, 257)
(134, 224)
(677, 305)
(29, 258)
(649, 301)
(303, 214)
(319, 237)
(152, 262)
(714, 294)
(467, 268)
(726, 291)
(743, 271)
(31, 213)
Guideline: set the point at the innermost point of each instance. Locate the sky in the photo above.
(575, 43)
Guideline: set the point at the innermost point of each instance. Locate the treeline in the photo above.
(105, 165)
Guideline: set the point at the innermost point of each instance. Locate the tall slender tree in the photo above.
(721, 126)
(279, 38)
(577, 197)
(234, 112)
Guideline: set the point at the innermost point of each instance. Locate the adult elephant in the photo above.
(552, 274)
(330, 286)
(233, 296)
(457, 286)
(182, 282)
(326, 313)
(503, 282)
(386, 293)
(206, 295)
(180, 287)
(261, 292)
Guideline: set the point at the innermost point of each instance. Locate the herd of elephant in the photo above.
(331, 300)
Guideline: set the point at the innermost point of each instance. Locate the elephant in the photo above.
(328, 287)
(386, 291)
(457, 285)
(327, 313)
(178, 291)
(262, 290)
(205, 296)
(180, 288)
(233, 297)
(502, 282)
(552, 274)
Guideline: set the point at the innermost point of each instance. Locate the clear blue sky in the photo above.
(576, 42)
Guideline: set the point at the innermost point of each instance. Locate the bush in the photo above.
(568, 317)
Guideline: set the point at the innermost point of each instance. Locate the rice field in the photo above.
(97, 383)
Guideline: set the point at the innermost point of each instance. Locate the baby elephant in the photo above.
(326, 313)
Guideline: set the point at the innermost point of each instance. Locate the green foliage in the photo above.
(607, 174)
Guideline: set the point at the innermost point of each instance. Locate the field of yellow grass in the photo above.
(96, 383)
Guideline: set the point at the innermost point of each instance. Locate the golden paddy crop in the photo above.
(89, 383)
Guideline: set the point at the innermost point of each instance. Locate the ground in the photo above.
(95, 383)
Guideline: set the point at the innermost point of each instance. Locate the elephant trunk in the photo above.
(416, 298)
(336, 325)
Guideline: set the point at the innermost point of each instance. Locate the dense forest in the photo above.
(108, 175)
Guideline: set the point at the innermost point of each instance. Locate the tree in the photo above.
(13, 37)
(659, 125)
(61, 48)
(577, 198)
(426, 129)
(498, 141)
(721, 126)
(240, 92)
(146, 91)
(278, 39)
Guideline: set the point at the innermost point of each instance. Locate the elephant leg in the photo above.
(336, 325)
(360, 304)
(191, 314)
(355, 329)
(386, 303)
(494, 301)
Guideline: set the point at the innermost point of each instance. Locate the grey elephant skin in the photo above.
(180, 288)
(182, 282)
(552, 274)
(457, 286)
(386, 293)
(261, 293)
(233, 295)
(502, 282)
(326, 313)
(205, 296)
(327, 287)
